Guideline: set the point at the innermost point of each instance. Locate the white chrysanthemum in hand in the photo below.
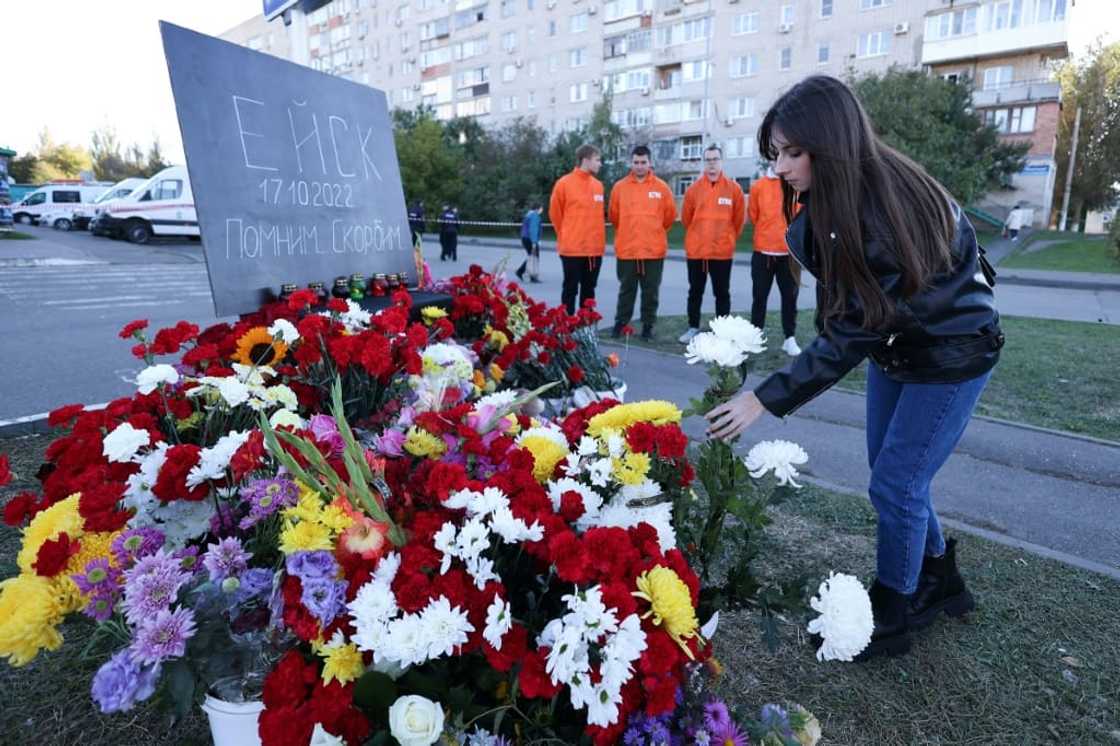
(779, 456)
(845, 622)
(712, 350)
(123, 443)
(740, 332)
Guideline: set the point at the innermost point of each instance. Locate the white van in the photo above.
(84, 214)
(161, 206)
(56, 197)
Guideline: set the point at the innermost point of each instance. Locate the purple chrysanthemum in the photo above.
(324, 598)
(266, 497)
(164, 636)
(136, 543)
(729, 735)
(100, 606)
(225, 559)
(121, 682)
(188, 559)
(152, 585)
(312, 565)
(99, 575)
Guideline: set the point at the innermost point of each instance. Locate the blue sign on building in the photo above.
(273, 8)
(1035, 169)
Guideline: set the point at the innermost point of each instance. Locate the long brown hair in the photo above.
(861, 188)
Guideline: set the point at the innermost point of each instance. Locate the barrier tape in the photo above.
(490, 223)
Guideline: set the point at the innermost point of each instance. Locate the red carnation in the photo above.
(248, 457)
(98, 507)
(569, 557)
(63, 415)
(290, 682)
(296, 616)
(575, 374)
(571, 506)
(544, 357)
(534, 680)
(132, 327)
(641, 437)
(301, 299)
(337, 305)
(514, 645)
(22, 507)
(5, 470)
(171, 484)
(54, 554)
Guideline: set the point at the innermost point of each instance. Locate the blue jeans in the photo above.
(912, 428)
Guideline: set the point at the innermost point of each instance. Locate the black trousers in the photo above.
(699, 270)
(449, 246)
(581, 275)
(765, 268)
(532, 252)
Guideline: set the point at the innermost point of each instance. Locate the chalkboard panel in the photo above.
(294, 172)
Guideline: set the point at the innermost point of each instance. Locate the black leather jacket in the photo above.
(946, 333)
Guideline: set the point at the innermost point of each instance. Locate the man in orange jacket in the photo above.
(713, 215)
(642, 210)
(770, 259)
(576, 211)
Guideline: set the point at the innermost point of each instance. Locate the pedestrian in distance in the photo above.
(576, 211)
(713, 215)
(642, 210)
(906, 285)
(1014, 222)
(531, 241)
(416, 222)
(449, 234)
(770, 259)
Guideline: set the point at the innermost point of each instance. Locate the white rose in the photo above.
(154, 376)
(415, 721)
(123, 443)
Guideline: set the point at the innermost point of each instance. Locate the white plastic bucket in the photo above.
(233, 723)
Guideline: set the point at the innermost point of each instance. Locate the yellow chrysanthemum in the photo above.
(305, 536)
(342, 662)
(421, 443)
(670, 604)
(258, 347)
(29, 615)
(309, 507)
(334, 518)
(431, 313)
(62, 517)
(93, 546)
(496, 337)
(496, 372)
(547, 453)
(624, 415)
(631, 468)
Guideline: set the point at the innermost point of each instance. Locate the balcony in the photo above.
(1052, 36)
(667, 94)
(1017, 92)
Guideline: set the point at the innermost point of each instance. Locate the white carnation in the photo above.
(285, 330)
(845, 622)
(740, 332)
(778, 456)
(213, 461)
(122, 444)
(286, 417)
(154, 376)
(709, 349)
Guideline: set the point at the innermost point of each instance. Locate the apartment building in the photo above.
(680, 73)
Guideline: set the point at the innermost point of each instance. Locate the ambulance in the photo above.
(162, 207)
(83, 214)
(56, 197)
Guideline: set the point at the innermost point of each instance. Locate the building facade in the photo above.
(680, 73)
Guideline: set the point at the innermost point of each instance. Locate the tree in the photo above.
(105, 152)
(155, 162)
(932, 121)
(1093, 84)
(59, 160)
(430, 169)
(23, 169)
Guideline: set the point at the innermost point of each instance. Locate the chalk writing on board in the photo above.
(264, 240)
(300, 193)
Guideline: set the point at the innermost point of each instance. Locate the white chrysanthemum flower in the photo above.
(180, 521)
(445, 360)
(444, 542)
(512, 529)
(387, 568)
(154, 376)
(660, 516)
(778, 456)
(253, 375)
(213, 461)
(406, 641)
(138, 493)
(499, 400)
(374, 603)
(284, 329)
(588, 446)
(845, 622)
(599, 471)
(286, 418)
(499, 620)
(709, 349)
(740, 332)
(445, 627)
(481, 570)
(122, 444)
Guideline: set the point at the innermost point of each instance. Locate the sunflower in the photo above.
(258, 347)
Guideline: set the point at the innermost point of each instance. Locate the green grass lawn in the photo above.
(1056, 374)
(676, 235)
(1080, 255)
(15, 236)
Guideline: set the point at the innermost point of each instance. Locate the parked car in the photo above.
(84, 214)
(52, 197)
(161, 206)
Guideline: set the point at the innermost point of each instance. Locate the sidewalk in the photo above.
(1052, 490)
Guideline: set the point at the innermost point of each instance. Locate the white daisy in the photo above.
(499, 620)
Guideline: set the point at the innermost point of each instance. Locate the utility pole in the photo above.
(1069, 170)
(296, 21)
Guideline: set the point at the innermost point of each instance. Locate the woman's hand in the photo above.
(733, 417)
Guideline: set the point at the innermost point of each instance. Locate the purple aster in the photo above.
(324, 598)
(152, 585)
(99, 575)
(164, 636)
(136, 543)
(716, 715)
(325, 430)
(225, 559)
(729, 734)
(100, 606)
(312, 565)
(266, 497)
(121, 682)
(188, 559)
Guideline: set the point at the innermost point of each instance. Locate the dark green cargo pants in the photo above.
(633, 273)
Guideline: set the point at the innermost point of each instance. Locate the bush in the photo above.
(1114, 235)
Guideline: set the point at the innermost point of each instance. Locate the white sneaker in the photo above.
(790, 347)
(688, 335)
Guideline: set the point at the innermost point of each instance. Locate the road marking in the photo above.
(158, 301)
(71, 301)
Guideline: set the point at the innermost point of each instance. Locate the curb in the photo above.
(34, 424)
(673, 254)
(1057, 282)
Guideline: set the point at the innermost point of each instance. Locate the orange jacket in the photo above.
(713, 215)
(765, 211)
(641, 212)
(576, 211)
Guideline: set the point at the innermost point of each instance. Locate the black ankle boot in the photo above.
(891, 635)
(647, 332)
(940, 588)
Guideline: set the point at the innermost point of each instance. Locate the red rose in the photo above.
(337, 305)
(5, 470)
(54, 554)
(132, 327)
(575, 374)
(171, 484)
(533, 679)
(63, 415)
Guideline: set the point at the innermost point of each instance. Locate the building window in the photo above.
(684, 182)
(869, 4)
(614, 46)
(698, 70)
(553, 62)
(577, 24)
(744, 65)
(552, 28)
(694, 111)
(577, 93)
(1016, 120)
(1007, 14)
(785, 59)
(532, 68)
(509, 72)
(509, 103)
(823, 54)
(739, 147)
(787, 15)
(740, 108)
(998, 77)
(577, 57)
(531, 101)
(509, 41)
(697, 29)
(1050, 10)
(947, 25)
(874, 44)
(616, 9)
(826, 8)
(509, 8)
(745, 23)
